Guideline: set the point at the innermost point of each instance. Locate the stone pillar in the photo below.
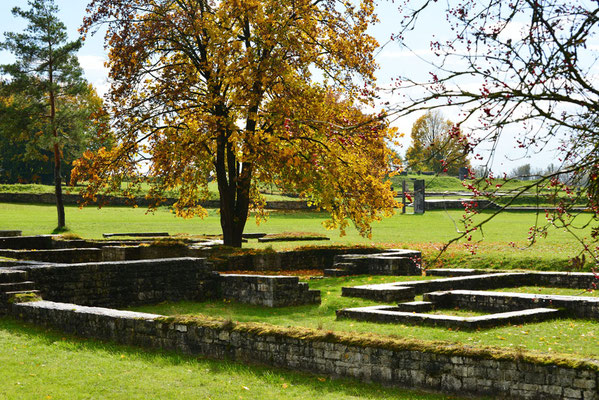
(463, 174)
(403, 196)
(419, 196)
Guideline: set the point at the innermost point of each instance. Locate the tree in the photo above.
(532, 61)
(25, 151)
(522, 172)
(203, 88)
(436, 145)
(45, 78)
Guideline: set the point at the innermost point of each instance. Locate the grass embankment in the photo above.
(33, 188)
(42, 364)
(567, 336)
(444, 183)
(422, 232)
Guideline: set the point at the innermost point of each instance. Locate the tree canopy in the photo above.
(26, 151)
(523, 67)
(437, 145)
(229, 90)
(46, 103)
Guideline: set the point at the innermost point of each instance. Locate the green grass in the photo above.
(42, 364)
(579, 338)
(422, 232)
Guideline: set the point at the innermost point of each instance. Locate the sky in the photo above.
(394, 61)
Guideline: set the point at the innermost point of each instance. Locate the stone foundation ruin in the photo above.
(502, 307)
(80, 297)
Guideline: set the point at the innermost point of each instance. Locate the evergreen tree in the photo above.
(47, 80)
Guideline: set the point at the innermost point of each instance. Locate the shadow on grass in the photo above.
(313, 384)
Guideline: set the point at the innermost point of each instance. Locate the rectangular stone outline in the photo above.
(391, 314)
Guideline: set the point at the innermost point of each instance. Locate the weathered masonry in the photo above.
(502, 307)
(127, 283)
(446, 368)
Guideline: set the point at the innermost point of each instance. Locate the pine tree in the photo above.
(47, 74)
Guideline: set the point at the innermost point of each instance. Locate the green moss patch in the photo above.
(24, 298)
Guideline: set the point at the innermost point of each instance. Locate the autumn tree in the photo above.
(437, 145)
(225, 89)
(521, 68)
(41, 87)
(522, 172)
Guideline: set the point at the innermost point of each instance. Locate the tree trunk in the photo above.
(58, 189)
(57, 174)
(234, 181)
(233, 208)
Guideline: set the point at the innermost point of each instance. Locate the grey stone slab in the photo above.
(74, 308)
(391, 314)
(415, 306)
(12, 275)
(382, 292)
(137, 234)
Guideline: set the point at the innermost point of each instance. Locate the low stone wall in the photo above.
(56, 255)
(398, 291)
(391, 262)
(119, 284)
(75, 199)
(446, 368)
(572, 280)
(489, 281)
(41, 242)
(267, 290)
(15, 263)
(10, 233)
(451, 204)
(396, 315)
(579, 307)
(317, 258)
(141, 252)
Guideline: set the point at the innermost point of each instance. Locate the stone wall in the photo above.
(267, 290)
(391, 262)
(56, 255)
(41, 242)
(579, 307)
(440, 367)
(572, 280)
(143, 252)
(451, 204)
(10, 233)
(119, 284)
(75, 199)
(317, 258)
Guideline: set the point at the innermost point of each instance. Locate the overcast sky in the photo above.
(393, 60)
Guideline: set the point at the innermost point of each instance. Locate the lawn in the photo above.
(42, 364)
(570, 337)
(33, 359)
(422, 232)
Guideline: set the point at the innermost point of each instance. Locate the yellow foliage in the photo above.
(224, 90)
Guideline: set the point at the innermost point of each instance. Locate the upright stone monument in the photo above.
(419, 196)
(463, 173)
